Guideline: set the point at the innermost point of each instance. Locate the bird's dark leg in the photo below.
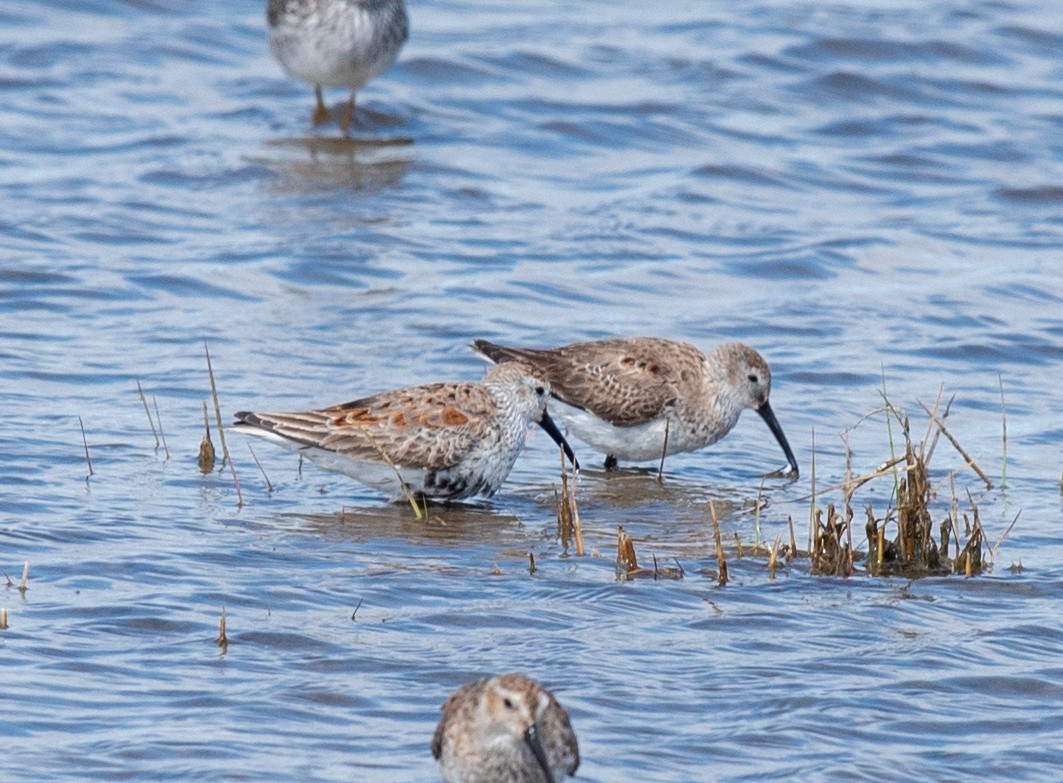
(321, 112)
(347, 116)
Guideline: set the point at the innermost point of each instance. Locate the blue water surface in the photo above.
(869, 194)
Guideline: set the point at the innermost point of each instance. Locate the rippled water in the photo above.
(863, 193)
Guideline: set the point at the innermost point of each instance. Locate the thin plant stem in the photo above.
(812, 506)
(993, 551)
(147, 412)
(158, 417)
(85, 441)
(720, 559)
(269, 484)
(1003, 436)
(217, 405)
(956, 445)
(889, 434)
(756, 517)
(664, 453)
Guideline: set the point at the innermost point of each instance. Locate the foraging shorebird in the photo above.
(506, 729)
(628, 397)
(447, 441)
(336, 43)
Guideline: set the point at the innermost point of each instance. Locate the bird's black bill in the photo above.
(551, 429)
(531, 738)
(768, 415)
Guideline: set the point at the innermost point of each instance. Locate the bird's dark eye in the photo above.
(508, 702)
(753, 378)
(540, 390)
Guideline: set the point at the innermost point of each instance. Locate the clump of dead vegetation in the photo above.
(569, 529)
(903, 539)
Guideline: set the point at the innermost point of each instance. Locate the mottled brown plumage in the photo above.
(447, 440)
(623, 381)
(626, 396)
(506, 729)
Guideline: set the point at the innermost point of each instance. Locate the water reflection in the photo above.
(308, 163)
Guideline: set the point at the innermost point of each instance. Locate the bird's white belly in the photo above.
(480, 472)
(638, 443)
(341, 54)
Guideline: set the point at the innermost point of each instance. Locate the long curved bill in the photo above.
(531, 737)
(768, 415)
(551, 429)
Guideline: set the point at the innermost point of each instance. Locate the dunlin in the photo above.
(336, 43)
(627, 397)
(506, 729)
(446, 440)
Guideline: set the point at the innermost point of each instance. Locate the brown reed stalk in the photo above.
(3, 619)
(627, 565)
(993, 551)
(774, 558)
(626, 560)
(206, 456)
(225, 456)
(880, 534)
(236, 481)
(926, 452)
(882, 470)
(531, 563)
(954, 512)
(568, 519)
(217, 405)
(88, 459)
(577, 526)
(25, 579)
(223, 639)
(937, 433)
(418, 513)
(564, 511)
(720, 559)
(956, 445)
(564, 524)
